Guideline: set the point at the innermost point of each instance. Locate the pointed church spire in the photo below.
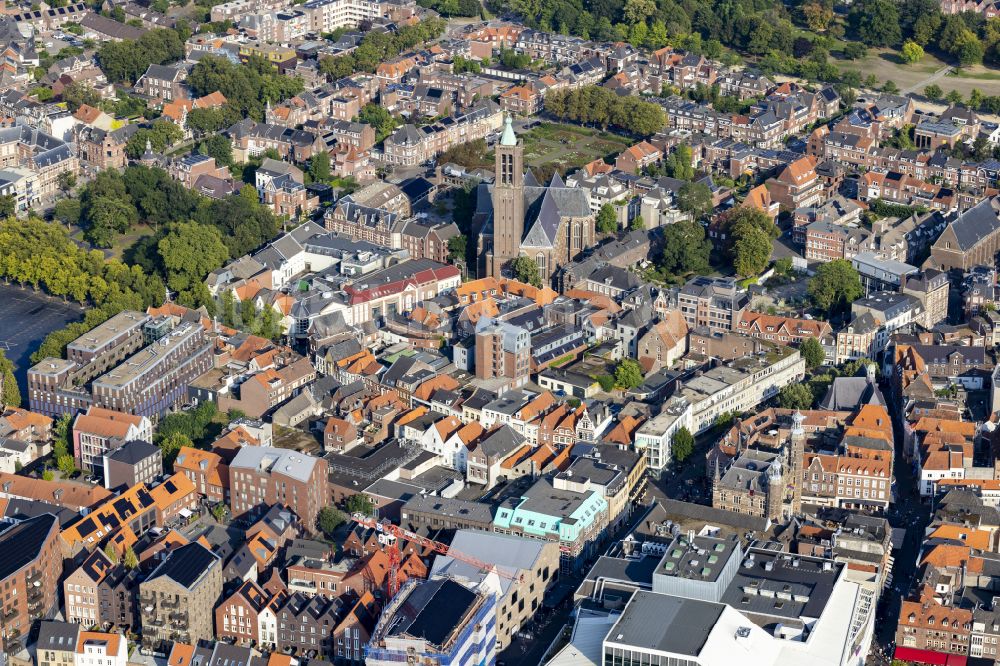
(508, 138)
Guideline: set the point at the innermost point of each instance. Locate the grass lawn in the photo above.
(569, 146)
(126, 241)
(886, 65)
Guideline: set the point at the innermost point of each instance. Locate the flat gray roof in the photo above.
(667, 623)
(142, 361)
(102, 334)
(782, 585)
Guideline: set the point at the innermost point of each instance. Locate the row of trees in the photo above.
(378, 47)
(594, 105)
(43, 255)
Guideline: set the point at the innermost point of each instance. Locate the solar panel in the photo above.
(86, 527)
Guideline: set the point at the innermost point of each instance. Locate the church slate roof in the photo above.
(544, 208)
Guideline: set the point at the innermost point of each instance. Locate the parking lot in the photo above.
(26, 317)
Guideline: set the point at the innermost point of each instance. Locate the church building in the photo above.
(551, 224)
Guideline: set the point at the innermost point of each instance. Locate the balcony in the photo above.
(166, 603)
(34, 577)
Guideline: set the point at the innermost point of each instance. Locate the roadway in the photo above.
(912, 514)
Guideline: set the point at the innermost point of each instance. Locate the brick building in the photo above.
(261, 476)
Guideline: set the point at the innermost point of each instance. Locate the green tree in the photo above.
(835, 286)
(607, 221)
(379, 118)
(228, 308)
(682, 444)
(685, 249)
(628, 373)
(875, 22)
(526, 270)
(107, 218)
(812, 352)
(751, 250)
(8, 205)
(319, 167)
(457, 247)
(66, 465)
(218, 147)
(171, 445)
(890, 87)
(911, 52)
(47, 475)
(131, 560)
(219, 512)
(77, 94)
(933, 92)
(359, 503)
(695, 198)
(967, 48)
(190, 251)
(953, 97)
(111, 553)
(795, 396)
(269, 325)
(329, 519)
(11, 394)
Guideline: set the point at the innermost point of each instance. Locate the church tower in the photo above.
(508, 200)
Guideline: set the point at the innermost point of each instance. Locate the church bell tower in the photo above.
(508, 200)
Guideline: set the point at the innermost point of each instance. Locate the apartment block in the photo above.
(100, 430)
(30, 565)
(261, 476)
(503, 350)
(178, 599)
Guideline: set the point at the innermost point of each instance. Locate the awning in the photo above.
(929, 657)
(185, 513)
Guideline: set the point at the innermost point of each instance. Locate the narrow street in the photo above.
(913, 515)
(529, 651)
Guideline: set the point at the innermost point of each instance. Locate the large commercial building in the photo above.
(517, 600)
(562, 509)
(708, 602)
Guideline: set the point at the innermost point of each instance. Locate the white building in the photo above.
(656, 435)
(775, 609)
(740, 386)
(95, 648)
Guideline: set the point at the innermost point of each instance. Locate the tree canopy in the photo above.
(685, 249)
(682, 444)
(812, 352)
(125, 61)
(628, 373)
(526, 270)
(594, 105)
(835, 286)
